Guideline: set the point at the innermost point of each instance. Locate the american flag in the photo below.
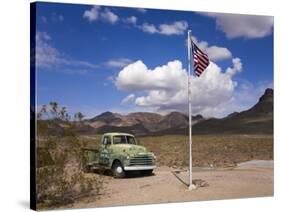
(200, 59)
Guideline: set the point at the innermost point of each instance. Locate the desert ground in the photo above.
(228, 166)
(224, 167)
(249, 179)
(208, 150)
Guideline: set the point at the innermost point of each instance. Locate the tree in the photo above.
(78, 116)
(42, 112)
(63, 113)
(54, 109)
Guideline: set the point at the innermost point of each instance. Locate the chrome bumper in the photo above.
(138, 168)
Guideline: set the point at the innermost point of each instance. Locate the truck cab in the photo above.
(121, 153)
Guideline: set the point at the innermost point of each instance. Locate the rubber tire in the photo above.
(117, 174)
(86, 169)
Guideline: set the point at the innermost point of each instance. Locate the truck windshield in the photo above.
(122, 139)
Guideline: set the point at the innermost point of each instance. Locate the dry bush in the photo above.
(64, 181)
(59, 178)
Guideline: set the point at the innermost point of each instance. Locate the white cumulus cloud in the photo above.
(131, 20)
(165, 87)
(96, 12)
(150, 28)
(105, 14)
(215, 53)
(109, 16)
(128, 99)
(92, 14)
(175, 28)
(247, 26)
(137, 76)
(237, 67)
(118, 63)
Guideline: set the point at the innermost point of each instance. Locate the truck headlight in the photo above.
(154, 157)
(127, 157)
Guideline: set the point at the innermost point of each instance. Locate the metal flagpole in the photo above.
(191, 186)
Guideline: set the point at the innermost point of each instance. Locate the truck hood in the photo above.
(130, 148)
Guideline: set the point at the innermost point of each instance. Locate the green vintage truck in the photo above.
(120, 153)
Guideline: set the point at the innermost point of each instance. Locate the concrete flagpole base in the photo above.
(191, 187)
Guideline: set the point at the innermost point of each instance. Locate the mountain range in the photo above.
(256, 120)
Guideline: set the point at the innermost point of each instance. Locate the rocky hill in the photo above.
(256, 120)
(141, 123)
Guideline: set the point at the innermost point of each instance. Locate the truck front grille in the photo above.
(141, 160)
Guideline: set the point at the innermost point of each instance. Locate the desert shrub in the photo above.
(63, 181)
(44, 157)
(59, 177)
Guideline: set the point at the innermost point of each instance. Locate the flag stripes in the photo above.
(200, 59)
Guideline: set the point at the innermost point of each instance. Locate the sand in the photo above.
(250, 179)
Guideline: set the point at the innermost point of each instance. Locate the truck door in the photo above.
(105, 151)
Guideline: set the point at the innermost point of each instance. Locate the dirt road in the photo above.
(252, 179)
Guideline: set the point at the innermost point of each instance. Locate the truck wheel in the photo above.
(86, 169)
(117, 169)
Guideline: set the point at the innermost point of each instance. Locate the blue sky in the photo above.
(96, 59)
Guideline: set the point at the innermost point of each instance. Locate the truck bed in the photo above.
(90, 159)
